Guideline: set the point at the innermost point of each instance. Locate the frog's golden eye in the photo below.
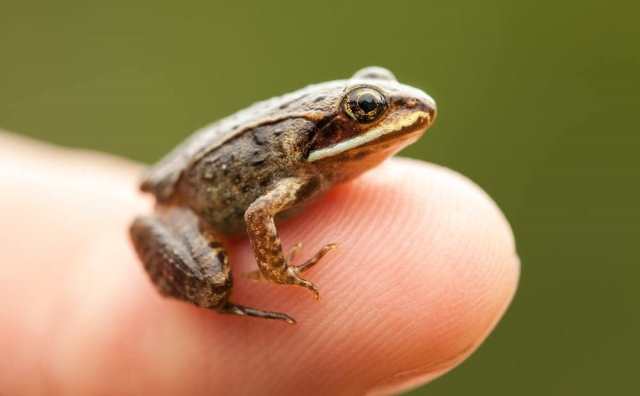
(365, 104)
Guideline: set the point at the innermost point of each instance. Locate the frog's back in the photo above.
(307, 103)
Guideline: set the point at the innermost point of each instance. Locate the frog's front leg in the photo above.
(267, 248)
(185, 260)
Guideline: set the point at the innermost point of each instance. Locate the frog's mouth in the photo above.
(405, 125)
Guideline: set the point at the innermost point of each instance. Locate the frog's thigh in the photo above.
(186, 263)
(180, 260)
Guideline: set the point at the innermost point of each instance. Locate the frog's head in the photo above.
(374, 116)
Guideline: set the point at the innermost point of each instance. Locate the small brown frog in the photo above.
(240, 173)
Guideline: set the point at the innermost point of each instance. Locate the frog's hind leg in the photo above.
(186, 261)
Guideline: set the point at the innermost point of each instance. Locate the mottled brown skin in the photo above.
(265, 162)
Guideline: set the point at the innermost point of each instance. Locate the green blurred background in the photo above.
(538, 104)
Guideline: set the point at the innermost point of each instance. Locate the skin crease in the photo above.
(425, 267)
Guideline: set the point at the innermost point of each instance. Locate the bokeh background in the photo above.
(538, 104)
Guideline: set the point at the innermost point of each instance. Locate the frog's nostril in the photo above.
(409, 103)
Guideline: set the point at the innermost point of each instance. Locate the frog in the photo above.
(244, 173)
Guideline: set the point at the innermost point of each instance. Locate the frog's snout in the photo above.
(428, 105)
(422, 103)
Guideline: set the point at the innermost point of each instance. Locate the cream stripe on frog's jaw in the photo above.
(369, 136)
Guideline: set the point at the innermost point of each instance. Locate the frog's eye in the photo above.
(365, 104)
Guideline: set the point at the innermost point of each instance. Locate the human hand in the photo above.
(425, 267)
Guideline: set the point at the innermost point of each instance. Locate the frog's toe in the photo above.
(316, 258)
(234, 309)
(293, 278)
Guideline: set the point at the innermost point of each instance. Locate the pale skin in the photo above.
(425, 267)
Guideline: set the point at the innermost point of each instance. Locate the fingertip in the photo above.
(462, 270)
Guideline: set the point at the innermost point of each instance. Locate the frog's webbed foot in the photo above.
(257, 274)
(259, 218)
(187, 262)
(295, 270)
